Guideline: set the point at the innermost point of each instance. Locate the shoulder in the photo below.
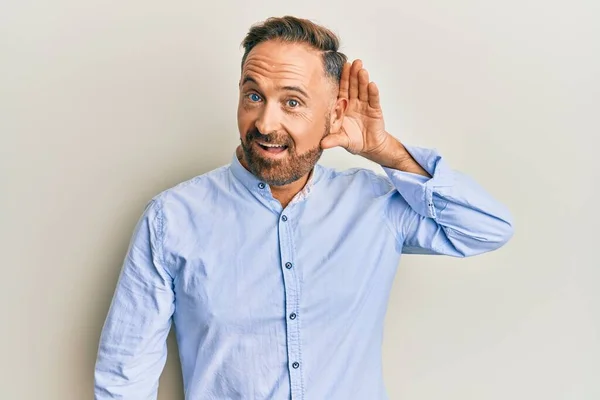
(359, 177)
(192, 192)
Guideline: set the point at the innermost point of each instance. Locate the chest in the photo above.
(250, 273)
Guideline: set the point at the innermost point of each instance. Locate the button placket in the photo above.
(291, 288)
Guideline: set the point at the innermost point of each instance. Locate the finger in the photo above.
(363, 83)
(373, 95)
(345, 81)
(335, 140)
(356, 66)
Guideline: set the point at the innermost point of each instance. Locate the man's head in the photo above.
(288, 102)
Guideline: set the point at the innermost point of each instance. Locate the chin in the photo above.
(272, 177)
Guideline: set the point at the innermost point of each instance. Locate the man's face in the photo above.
(284, 110)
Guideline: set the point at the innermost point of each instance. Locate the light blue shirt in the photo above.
(272, 303)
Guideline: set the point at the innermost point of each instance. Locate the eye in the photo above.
(293, 103)
(254, 97)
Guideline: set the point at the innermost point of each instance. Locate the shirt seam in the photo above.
(160, 236)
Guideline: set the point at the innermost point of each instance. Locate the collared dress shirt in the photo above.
(281, 303)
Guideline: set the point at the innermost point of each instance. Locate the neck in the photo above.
(285, 193)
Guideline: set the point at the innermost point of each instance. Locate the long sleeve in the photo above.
(448, 214)
(132, 350)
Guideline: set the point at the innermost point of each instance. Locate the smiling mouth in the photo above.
(272, 148)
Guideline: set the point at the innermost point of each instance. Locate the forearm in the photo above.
(448, 213)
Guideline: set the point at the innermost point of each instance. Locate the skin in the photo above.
(287, 99)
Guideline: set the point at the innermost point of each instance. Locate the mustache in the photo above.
(254, 134)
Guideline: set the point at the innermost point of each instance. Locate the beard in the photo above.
(284, 171)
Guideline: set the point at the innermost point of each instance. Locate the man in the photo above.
(275, 269)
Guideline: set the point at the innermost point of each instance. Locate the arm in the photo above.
(441, 211)
(132, 350)
(435, 210)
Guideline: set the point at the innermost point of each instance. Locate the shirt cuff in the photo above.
(420, 192)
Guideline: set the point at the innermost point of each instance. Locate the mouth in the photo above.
(272, 148)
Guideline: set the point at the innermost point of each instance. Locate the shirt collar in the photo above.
(255, 185)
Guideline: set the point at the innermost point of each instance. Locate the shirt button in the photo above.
(261, 185)
(284, 218)
(295, 365)
(293, 316)
(288, 265)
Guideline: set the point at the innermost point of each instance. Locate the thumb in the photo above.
(335, 140)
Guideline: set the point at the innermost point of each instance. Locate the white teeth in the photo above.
(272, 145)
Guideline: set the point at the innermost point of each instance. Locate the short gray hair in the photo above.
(297, 30)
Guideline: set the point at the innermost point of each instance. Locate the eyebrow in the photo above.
(249, 79)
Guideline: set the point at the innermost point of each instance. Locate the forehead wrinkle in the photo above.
(288, 69)
(283, 74)
(280, 78)
(280, 82)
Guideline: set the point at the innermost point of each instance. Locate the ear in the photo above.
(337, 114)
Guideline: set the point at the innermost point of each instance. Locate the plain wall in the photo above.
(103, 104)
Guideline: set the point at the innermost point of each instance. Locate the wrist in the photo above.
(390, 153)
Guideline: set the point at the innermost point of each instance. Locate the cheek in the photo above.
(306, 134)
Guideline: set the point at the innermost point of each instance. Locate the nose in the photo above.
(269, 120)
